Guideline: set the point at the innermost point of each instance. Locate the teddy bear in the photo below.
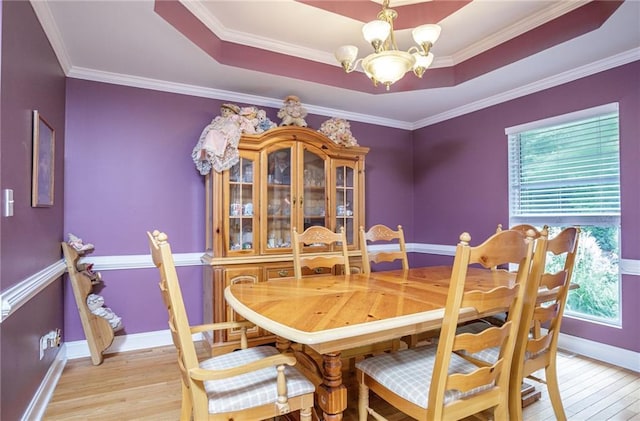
(292, 112)
(339, 131)
(263, 123)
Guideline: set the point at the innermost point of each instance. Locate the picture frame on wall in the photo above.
(43, 162)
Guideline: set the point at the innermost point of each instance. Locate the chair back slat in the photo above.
(497, 299)
(477, 379)
(552, 281)
(476, 342)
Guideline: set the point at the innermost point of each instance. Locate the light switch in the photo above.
(7, 205)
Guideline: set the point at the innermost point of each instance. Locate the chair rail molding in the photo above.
(139, 261)
(17, 295)
(630, 267)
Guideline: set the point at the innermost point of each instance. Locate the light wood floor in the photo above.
(144, 385)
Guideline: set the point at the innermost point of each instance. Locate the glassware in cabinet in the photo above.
(279, 199)
(345, 200)
(241, 213)
(314, 190)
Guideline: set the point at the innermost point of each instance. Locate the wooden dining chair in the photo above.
(433, 382)
(537, 348)
(391, 247)
(327, 240)
(389, 238)
(250, 383)
(545, 300)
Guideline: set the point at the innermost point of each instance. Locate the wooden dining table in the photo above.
(332, 314)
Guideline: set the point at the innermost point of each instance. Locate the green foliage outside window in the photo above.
(595, 271)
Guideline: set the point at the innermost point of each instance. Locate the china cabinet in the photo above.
(286, 177)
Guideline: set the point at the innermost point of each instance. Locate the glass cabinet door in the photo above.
(242, 195)
(314, 193)
(345, 192)
(279, 199)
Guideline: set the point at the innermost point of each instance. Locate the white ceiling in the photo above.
(127, 42)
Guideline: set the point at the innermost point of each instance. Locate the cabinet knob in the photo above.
(283, 273)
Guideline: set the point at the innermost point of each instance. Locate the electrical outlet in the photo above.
(50, 340)
(57, 340)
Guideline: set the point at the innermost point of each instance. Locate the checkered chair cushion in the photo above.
(250, 389)
(407, 373)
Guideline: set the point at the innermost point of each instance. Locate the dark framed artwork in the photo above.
(44, 145)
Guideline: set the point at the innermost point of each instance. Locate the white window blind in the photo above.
(566, 172)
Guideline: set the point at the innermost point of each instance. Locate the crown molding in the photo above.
(44, 15)
(554, 11)
(229, 35)
(193, 90)
(550, 82)
(523, 26)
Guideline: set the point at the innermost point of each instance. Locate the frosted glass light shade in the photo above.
(423, 61)
(376, 30)
(388, 66)
(426, 33)
(346, 53)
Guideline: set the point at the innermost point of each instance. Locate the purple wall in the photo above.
(126, 153)
(463, 163)
(29, 240)
(129, 170)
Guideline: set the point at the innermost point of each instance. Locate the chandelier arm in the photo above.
(426, 48)
(353, 66)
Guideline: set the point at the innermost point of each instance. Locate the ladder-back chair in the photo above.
(536, 348)
(248, 384)
(545, 299)
(382, 234)
(433, 382)
(323, 237)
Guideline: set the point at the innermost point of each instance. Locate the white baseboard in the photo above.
(40, 401)
(602, 352)
(133, 342)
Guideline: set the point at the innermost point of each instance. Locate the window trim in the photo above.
(564, 118)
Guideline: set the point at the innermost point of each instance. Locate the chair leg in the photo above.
(363, 402)
(305, 414)
(186, 407)
(553, 388)
(515, 400)
(501, 413)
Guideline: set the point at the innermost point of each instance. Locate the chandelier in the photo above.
(387, 64)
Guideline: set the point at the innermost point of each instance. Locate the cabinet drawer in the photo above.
(287, 272)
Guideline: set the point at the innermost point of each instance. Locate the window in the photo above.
(566, 171)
